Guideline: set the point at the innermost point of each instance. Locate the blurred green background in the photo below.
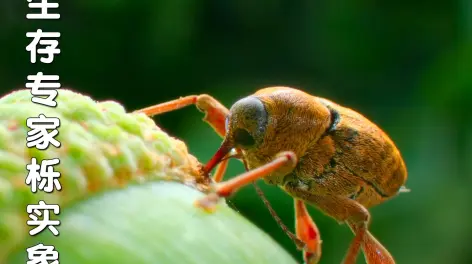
(406, 65)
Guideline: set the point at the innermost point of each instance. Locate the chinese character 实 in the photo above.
(43, 176)
(40, 88)
(44, 6)
(39, 136)
(49, 50)
(35, 210)
(41, 254)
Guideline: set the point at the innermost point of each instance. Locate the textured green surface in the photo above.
(105, 150)
(157, 223)
(102, 147)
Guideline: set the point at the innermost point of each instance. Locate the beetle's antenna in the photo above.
(300, 244)
(233, 155)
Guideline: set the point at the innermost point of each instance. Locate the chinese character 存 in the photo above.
(43, 176)
(39, 136)
(40, 88)
(42, 209)
(44, 5)
(50, 45)
(41, 254)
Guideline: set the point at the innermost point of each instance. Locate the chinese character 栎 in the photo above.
(39, 136)
(42, 209)
(43, 176)
(43, 38)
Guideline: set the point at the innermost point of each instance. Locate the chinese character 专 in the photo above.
(44, 6)
(43, 176)
(39, 136)
(40, 88)
(42, 209)
(41, 254)
(50, 45)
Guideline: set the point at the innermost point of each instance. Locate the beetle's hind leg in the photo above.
(374, 251)
(215, 116)
(307, 231)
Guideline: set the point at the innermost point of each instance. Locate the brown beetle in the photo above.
(317, 151)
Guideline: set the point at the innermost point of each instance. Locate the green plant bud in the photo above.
(128, 190)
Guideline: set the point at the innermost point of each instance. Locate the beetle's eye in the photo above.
(243, 138)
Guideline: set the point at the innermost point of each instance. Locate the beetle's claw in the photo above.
(311, 258)
(302, 246)
(208, 203)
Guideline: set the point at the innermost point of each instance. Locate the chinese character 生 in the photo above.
(44, 5)
(43, 176)
(41, 254)
(50, 45)
(40, 88)
(39, 136)
(42, 209)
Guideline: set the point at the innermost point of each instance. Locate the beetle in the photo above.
(319, 152)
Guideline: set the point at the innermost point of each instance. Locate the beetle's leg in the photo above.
(284, 163)
(215, 115)
(220, 170)
(347, 210)
(307, 231)
(215, 112)
(374, 251)
(301, 245)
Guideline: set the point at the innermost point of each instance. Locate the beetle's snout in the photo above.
(224, 149)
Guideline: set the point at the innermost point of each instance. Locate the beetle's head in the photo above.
(246, 124)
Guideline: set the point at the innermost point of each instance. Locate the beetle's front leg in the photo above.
(307, 231)
(285, 161)
(215, 112)
(215, 116)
